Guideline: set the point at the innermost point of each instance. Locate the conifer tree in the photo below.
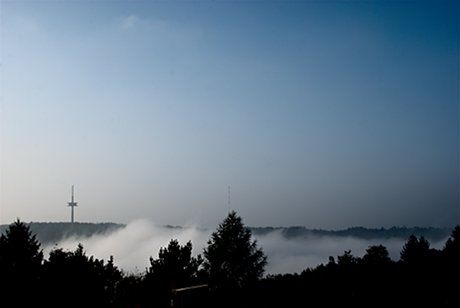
(232, 258)
(20, 264)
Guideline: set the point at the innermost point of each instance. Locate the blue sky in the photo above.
(323, 114)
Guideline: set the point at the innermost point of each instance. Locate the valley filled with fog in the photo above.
(133, 244)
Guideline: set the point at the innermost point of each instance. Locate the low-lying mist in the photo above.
(133, 245)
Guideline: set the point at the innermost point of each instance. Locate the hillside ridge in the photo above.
(54, 232)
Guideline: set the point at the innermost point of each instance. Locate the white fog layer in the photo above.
(133, 245)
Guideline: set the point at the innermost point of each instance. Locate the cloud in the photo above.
(133, 245)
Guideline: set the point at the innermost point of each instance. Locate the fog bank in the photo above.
(133, 245)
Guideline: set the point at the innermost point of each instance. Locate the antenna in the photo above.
(72, 204)
(228, 201)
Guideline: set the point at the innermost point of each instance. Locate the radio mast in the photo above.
(72, 204)
(228, 200)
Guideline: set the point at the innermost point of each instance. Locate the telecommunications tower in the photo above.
(72, 204)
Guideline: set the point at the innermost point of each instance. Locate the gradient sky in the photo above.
(321, 114)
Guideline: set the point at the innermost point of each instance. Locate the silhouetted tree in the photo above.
(376, 255)
(79, 280)
(20, 265)
(415, 251)
(347, 259)
(232, 258)
(422, 268)
(111, 279)
(374, 273)
(174, 268)
(176, 264)
(129, 292)
(451, 268)
(452, 246)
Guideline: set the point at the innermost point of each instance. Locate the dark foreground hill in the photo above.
(54, 232)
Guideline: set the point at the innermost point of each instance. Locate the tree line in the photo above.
(229, 273)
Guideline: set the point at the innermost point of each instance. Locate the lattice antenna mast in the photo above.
(72, 204)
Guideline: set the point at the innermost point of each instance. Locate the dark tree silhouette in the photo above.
(373, 276)
(174, 268)
(233, 267)
(347, 259)
(376, 255)
(451, 267)
(232, 258)
(19, 248)
(176, 264)
(452, 246)
(20, 265)
(415, 251)
(79, 280)
(423, 269)
(129, 291)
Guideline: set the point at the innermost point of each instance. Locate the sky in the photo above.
(324, 114)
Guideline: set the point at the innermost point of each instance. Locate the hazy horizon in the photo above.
(216, 223)
(326, 115)
(134, 244)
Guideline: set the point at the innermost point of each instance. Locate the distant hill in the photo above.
(54, 232)
(430, 233)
